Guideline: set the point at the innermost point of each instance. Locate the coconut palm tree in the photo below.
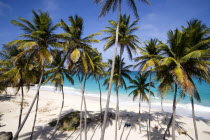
(78, 53)
(184, 60)
(124, 75)
(149, 58)
(74, 42)
(127, 40)
(140, 87)
(83, 70)
(39, 36)
(198, 34)
(98, 73)
(15, 74)
(57, 73)
(107, 6)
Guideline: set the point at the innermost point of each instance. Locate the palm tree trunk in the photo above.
(81, 118)
(37, 105)
(32, 104)
(169, 124)
(22, 98)
(16, 91)
(21, 107)
(174, 113)
(118, 84)
(59, 116)
(140, 113)
(149, 137)
(122, 133)
(85, 118)
(112, 73)
(81, 108)
(85, 107)
(162, 108)
(99, 86)
(116, 112)
(194, 122)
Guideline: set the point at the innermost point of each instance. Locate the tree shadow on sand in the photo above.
(6, 97)
(1, 125)
(207, 132)
(44, 132)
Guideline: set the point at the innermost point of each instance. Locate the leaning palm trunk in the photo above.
(21, 107)
(59, 116)
(194, 122)
(116, 112)
(22, 99)
(32, 104)
(140, 113)
(174, 114)
(83, 100)
(112, 73)
(170, 121)
(149, 137)
(99, 86)
(81, 116)
(85, 107)
(37, 105)
(162, 108)
(118, 85)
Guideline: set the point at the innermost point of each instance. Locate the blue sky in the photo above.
(155, 20)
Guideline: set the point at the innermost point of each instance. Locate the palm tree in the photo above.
(184, 60)
(140, 87)
(78, 53)
(16, 73)
(108, 5)
(98, 73)
(83, 69)
(39, 36)
(197, 34)
(127, 40)
(74, 42)
(57, 74)
(124, 75)
(149, 58)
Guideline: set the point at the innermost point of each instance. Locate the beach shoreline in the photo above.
(184, 109)
(49, 107)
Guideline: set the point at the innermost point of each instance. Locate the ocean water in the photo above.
(183, 107)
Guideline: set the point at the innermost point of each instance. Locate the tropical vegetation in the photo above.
(44, 56)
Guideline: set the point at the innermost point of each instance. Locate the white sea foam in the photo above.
(182, 109)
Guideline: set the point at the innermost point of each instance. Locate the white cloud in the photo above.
(50, 5)
(4, 9)
(151, 17)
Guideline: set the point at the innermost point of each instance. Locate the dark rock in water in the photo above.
(6, 136)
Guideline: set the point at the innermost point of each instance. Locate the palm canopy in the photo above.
(112, 4)
(37, 38)
(15, 73)
(127, 39)
(150, 55)
(57, 72)
(75, 44)
(124, 73)
(140, 86)
(99, 66)
(187, 55)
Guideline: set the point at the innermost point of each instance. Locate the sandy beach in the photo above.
(49, 107)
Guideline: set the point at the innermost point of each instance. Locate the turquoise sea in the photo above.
(183, 107)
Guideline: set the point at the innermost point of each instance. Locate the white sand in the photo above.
(49, 107)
